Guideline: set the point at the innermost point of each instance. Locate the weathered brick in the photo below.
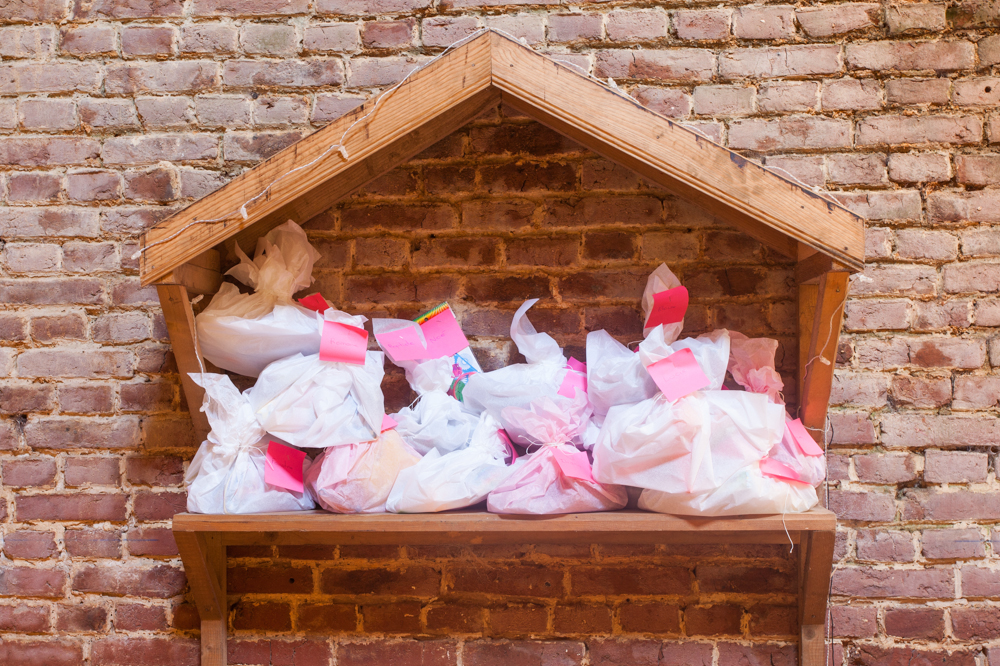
(669, 102)
(676, 64)
(635, 26)
(976, 206)
(915, 17)
(952, 544)
(29, 472)
(894, 584)
(864, 506)
(780, 61)
(96, 470)
(789, 133)
(907, 92)
(854, 621)
(106, 114)
(561, 28)
(940, 56)
(935, 505)
(837, 19)
(927, 623)
(154, 148)
(919, 167)
(767, 22)
(47, 151)
(954, 467)
(900, 130)
(207, 38)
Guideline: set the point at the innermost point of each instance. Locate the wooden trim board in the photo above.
(202, 541)
(765, 205)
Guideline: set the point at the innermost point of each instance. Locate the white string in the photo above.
(340, 148)
(784, 510)
(829, 334)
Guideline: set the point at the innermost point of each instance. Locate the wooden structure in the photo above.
(202, 542)
(181, 257)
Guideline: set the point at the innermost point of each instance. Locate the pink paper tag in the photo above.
(343, 343)
(576, 365)
(777, 470)
(402, 345)
(806, 444)
(511, 451)
(668, 307)
(571, 382)
(315, 302)
(574, 465)
(283, 466)
(388, 423)
(678, 375)
(443, 334)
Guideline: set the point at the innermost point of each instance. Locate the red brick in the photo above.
(425, 653)
(886, 468)
(515, 620)
(27, 472)
(158, 506)
(96, 470)
(892, 584)
(24, 619)
(511, 580)
(208, 38)
(445, 30)
(151, 542)
(138, 617)
(922, 392)
(864, 506)
(67, 433)
(716, 579)
(952, 544)
(272, 39)
(526, 177)
(768, 22)
(903, 56)
(954, 467)
(497, 653)
(854, 621)
(124, 651)
(732, 654)
(789, 134)
(93, 543)
(773, 620)
(73, 619)
(615, 580)
(837, 19)
(780, 61)
(893, 130)
(160, 581)
(409, 581)
(569, 27)
(918, 430)
(702, 24)
(975, 623)
(634, 26)
(154, 470)
(388, 34)
(393, 618)
(72, 507)
(147, 40)
(712, 620)
(49, 653)
(657, 618)
(384, 71)
(18, 581)
(932, 504)
(675, 64)
(459, 619)
(878, 545)
(327, 618)
(30, 545)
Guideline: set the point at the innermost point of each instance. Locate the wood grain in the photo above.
(181, 327)
(817, 376)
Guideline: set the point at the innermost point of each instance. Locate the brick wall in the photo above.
(114, 114)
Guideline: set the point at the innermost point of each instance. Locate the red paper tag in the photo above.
(574, 465)
(342, 343)
(777, 470)
(668, 307)
(283, 466)
(803, 440)
(315, 302)
(388, 423)
(678, 375)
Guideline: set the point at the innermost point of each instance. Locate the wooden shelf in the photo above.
(202, 540)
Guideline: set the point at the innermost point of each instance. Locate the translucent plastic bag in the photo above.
(521, 384)
(437, 420)
(227, 473)
(312, 403)
(440, 482)
(751, 363)
(661, 279)
(615, 374)
(357, 478)
(557, 478)
(748, 492)
(243, 333)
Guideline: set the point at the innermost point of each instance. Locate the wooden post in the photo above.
(819, 341)
(180, 325)
(815, 564)
(204, 557)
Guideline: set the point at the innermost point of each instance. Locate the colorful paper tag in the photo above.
(571, 382)
(388, 423)
(283, 466)
(678, 375)
(777, 470)
(574, 364)
(803, 440)
(342, 343)
(574, 465)
(403, 344)
(668, 307)
(441, 331)
(511, 451)
(315, 302)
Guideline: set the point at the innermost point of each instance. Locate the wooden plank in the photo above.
(197, 279)
(426, 95)
(360, 174)
(816, 571)
(180, 326)
(808, 293)
(817, 370)
(522, 529)
(652, 145)
(810, 269)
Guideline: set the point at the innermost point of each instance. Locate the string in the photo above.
(829, 334)
(340, 148)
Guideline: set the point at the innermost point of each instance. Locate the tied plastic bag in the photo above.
(357, 478)
(437, 420)
(558, 477)
(440, 482)
(547, 374)
(227, 473)
(312, 403)
(751, 363)
(748, 492)
(660, 280)
(243, 333)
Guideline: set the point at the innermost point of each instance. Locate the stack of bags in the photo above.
(549, 436)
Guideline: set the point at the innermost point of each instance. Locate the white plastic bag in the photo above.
(227, 473)
(245, 332)
(440, 482)
(357, 478)
(615, 374)
(748, 492)
(751, 363)
(557, 478)
(521, 384)
(659, 280)
(312, 403)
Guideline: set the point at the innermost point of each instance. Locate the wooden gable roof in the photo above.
(488, 69)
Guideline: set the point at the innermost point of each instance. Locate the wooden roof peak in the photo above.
(312, 174)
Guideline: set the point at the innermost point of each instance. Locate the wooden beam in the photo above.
(181, 327)
(201, 275)
(360, 174)
(204, 558)
(764, 205)
(429, 93)
(817, 368)
(809, 270)
(815, 568)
